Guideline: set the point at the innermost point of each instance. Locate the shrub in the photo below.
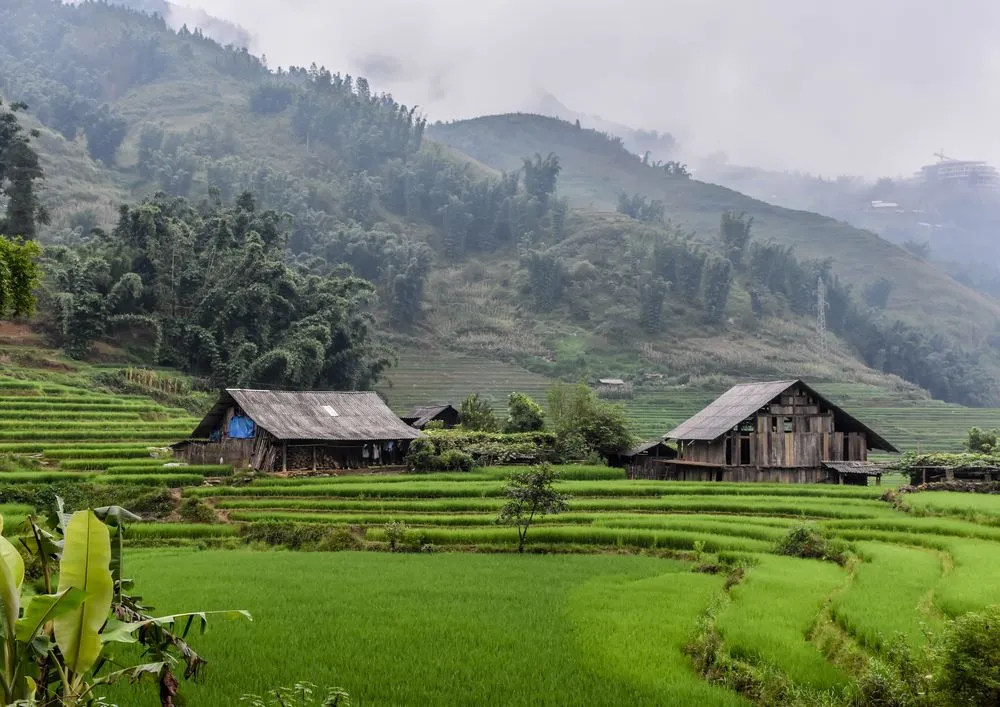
(395, 533)
(969, 671)
(523, 414)
(485, 448)
(421, 455)
(302, 536)
(302, 694)
(194, 510)
(455, 460)
(804, 541)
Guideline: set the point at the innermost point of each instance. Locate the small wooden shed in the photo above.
(641, 460)
(272, 430)
(775, 431)
(419, 416)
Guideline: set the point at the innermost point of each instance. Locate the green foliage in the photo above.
(58, 651)
(805, 541)
(523, 414)
(735, 235)
(652, 296)
(423, 456)
(578, 416)
(193, 510)
(640, 208)
(530, 494)
(19, 275)
(877, 293)
(301, 694)
(211, 284)
(718, 280)
(547, 278)
(105, 132)
(969, 672)
(540, 176)
(983, 441)
(395, 533)
(485, 448)
(19, 170)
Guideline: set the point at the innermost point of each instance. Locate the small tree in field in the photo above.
(477, 414)
(530, 494)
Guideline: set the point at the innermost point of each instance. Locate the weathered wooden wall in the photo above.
(791, 433)
(683, 472)
(227, 451)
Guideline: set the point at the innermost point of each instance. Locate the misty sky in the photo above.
(855, 86)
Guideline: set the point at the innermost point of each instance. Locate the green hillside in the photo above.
(596, 169)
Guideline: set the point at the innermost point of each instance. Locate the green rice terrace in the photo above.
(641, 592)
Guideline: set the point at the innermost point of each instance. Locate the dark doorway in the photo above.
(847, 449)
(745, 451)
(729, 451)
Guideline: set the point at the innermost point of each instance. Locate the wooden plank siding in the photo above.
(792, 433)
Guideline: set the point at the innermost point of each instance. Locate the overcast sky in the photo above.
(855, 86)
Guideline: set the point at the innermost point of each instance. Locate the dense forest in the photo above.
(303, 218)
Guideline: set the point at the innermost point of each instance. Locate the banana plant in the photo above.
(57, 651)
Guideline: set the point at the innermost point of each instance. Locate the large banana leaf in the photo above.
(43, 608)
(11, 578)
(85, 566)
(120, 632)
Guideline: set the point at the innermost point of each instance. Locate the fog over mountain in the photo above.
(849, 87)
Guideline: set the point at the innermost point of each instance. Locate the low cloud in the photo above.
(854, 87)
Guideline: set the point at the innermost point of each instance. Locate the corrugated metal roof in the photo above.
(312, 415)
(743, 400)
(729, 409)
(422, 414)
(856, 467)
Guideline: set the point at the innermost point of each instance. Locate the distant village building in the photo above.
(778, 431)
(419, 416)
(964, 173)
(271, 430)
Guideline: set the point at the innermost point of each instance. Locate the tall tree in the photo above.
(19, 276)
(19, 170)
(540, 175)
(734, 232)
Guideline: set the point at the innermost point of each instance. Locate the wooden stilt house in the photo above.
(271, 430)
(777, 431)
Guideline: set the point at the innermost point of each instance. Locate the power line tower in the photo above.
(821, 314)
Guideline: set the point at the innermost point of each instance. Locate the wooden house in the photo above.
(641, 461)
(776, 431)
(270, 430)
(422, 414)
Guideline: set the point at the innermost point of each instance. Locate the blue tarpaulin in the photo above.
(241, 427)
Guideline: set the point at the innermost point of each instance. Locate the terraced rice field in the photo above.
(63, 432)
(599, 624)
(608, 610)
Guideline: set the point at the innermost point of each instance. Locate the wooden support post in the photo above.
(284, 455)
(841, 479)
(314, 457)
(878, 480)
